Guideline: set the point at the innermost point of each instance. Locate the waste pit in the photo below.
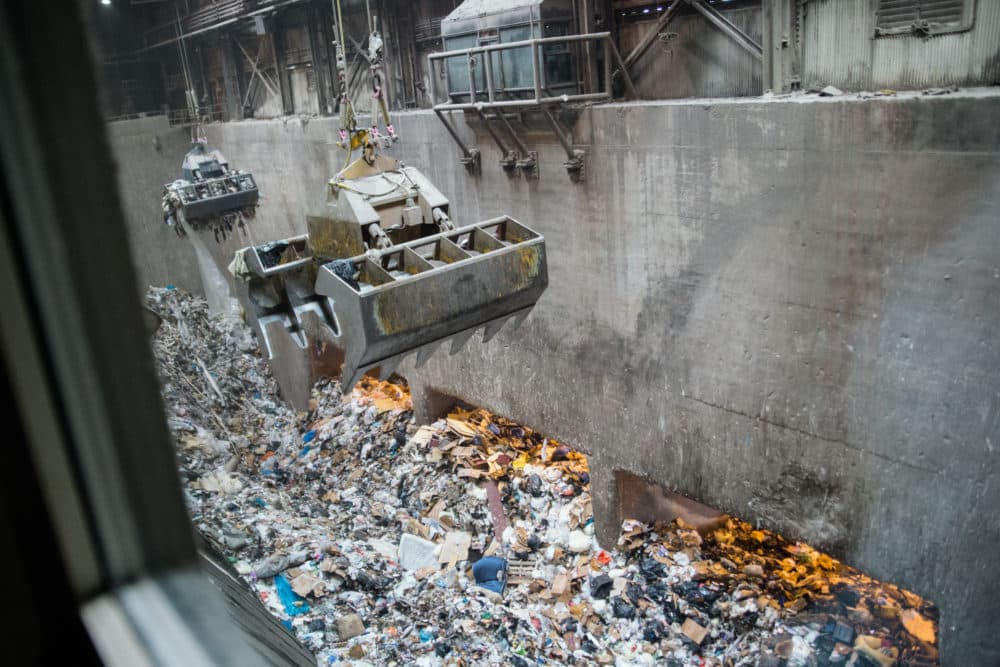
(470, 541)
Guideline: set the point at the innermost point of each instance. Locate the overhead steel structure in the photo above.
(516, 56)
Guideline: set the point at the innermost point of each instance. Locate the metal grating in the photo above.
(907, 15)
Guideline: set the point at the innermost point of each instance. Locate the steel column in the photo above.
(781, 61)
(278, 54)
(316, 53)
(230, 80)
(536, 75)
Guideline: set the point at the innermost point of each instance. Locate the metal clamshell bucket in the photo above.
(415, 296)
(412, 297)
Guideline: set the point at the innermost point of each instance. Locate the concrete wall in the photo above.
(783, 309)
(149, 154)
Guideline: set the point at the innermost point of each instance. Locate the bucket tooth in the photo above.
(267, 325)
(493, 327)
(520, 317)
(299, 338)
(311, 318)
(387, 367)
(459, 340)
(425, 353)
(349, 377)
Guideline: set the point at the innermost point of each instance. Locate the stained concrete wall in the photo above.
(785, 310)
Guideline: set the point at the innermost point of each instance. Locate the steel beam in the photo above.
(470, 156)
(624, 70)
(727, 26)
(560, 135)
(574, 157)
(528, 160)
(510, 130)
(255, 70)
(650, 37)
(508, 158)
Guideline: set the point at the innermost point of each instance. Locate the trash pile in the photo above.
(470, 541)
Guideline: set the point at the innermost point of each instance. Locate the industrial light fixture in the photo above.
(105, 2)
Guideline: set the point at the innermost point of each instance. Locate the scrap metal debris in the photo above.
(470, 541)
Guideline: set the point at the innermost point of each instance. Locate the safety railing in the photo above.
(488, 97)
(515, 156)
(209, 113)
(183, 117)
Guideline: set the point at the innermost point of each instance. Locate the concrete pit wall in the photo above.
(786, 310)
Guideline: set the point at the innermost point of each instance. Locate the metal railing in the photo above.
(539, 88)
(210, 113)
(516, 157)
(210, 18)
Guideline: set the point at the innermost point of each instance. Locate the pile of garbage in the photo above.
(470, 541)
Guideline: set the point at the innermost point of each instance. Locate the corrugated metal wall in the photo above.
(839, 48)
(701, 61)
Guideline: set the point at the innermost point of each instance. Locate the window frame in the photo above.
(124, 580)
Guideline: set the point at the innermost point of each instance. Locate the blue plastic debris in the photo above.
(304, 451)
(490, 573)
(293, 602)
(308, 436)
(843, 633)
(426, 635)
(259, 502)
(287, 623)
(171, 287)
